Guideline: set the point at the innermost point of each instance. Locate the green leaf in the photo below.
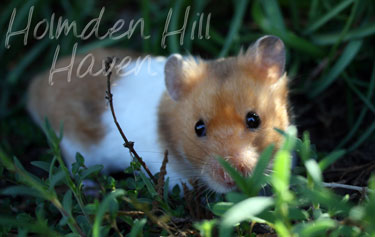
(258, 178)
(206, 227)
(67, 202)
(272, 9)
(330, 159)
(297, 214)
(245, 210)
(314, 171)
(221, 207)
(357, 213)
(316, 228)
(281, 175)
(234, 25)
(149, 185)
(305, 150)
(41, 164)
(80, 161)
(56, 178)
(103, 208)
(95, 169)
(235, 197)
(137, 227)
(326, 199)
(20, 190)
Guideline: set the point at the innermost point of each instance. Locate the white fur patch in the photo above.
(136, 99)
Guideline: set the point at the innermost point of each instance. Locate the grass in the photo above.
(331, 63)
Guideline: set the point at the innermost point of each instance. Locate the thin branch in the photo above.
(163, 172)
(346, 186)
(128, 144)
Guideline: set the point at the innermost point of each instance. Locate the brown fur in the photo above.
(77, 104)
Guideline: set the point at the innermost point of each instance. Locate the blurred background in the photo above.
(330, 60)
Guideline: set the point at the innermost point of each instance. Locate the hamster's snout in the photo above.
(219, 179)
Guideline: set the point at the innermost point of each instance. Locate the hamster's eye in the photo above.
(200, 128)
(252, 120)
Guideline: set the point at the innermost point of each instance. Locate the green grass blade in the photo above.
(314, 171)
(365, 100)
(137, 227)
(29, 58)
(173, 40)
(145, 8)
(289, 38)
(357, 33)
(361, 116)
(258, 178)
(330, 159)
(347, 56)
(245, 210)
(323, 20)
(273, 13)
(368, 132)
(235, 24)
(103, 209)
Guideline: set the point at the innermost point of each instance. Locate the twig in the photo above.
(160, 185)
(131, 213)
(345, 186)
(163, 172)
(128, 144)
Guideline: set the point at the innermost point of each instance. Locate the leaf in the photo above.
(20, 190)
(304, 148)
(326, 199)
(80, 161)
(27, 177)
(258, 179)
(206, 227)
(296, 213)
(56, 178)
(41, 164)
(103, 208)
(137, 227)
(221, 207)
(245, 210)
(281, 175)
(90, 171)
(234, 25)
(314, 171)
(235, 197)
(330, 159)
(274, 14)
(67, 202)
(149, 185)
(315, 228)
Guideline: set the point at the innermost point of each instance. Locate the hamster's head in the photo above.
(226, 108)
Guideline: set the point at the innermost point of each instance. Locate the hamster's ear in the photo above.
(181, 75)
(268, 56)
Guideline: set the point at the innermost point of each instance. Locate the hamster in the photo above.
(196, 109)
